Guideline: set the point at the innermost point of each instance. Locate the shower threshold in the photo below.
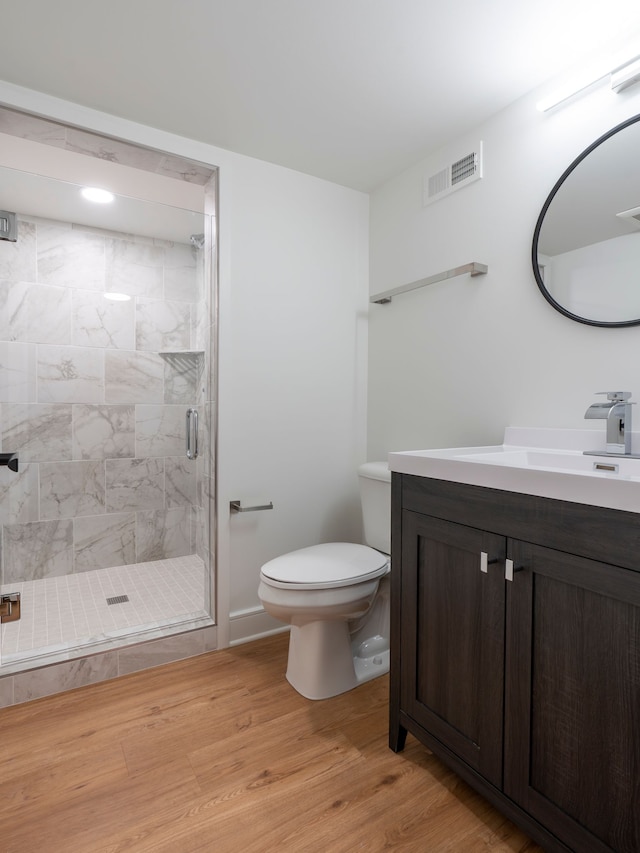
(104, 607)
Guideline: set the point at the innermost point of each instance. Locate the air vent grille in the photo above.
(439, 182)
(463, 169)
(454, 176)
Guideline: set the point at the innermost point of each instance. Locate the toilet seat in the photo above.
(330, 565)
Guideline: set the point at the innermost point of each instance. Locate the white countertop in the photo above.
(536, 461)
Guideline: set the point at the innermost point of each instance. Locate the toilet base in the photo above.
(322, 662)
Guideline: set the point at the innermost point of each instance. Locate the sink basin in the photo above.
(548, 463)
(573, 461)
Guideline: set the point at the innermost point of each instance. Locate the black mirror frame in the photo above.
(536, 233)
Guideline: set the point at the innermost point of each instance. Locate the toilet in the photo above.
(335, 596)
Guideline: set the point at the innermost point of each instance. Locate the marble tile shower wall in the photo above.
(94, 402)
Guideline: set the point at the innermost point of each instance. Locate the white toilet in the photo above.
(336, 598)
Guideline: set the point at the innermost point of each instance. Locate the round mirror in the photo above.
(586, 245)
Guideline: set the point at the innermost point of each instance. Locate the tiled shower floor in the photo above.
(60, 613)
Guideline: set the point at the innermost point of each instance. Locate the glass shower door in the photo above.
(105, 337)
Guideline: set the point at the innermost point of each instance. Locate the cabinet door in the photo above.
(572, 726)
(452, 637)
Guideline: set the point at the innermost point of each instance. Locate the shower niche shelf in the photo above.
(185, 360)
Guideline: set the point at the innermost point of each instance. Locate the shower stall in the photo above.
(107, 420)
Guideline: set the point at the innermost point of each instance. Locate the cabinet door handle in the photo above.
(486, 561)
(510, 568)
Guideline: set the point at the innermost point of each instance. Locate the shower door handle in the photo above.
(192, 433)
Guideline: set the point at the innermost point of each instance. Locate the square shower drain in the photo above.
(118, 599)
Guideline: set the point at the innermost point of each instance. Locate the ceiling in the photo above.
(353, 91)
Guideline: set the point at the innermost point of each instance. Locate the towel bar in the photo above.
(474, 268)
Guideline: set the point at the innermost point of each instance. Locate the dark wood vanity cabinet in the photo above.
(529, 688)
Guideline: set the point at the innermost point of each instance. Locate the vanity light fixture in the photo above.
(97, 195)
(621, 73)
(626, 75)
(587, 78)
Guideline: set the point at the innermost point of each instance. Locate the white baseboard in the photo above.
(251, 624)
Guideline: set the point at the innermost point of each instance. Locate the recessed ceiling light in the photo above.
(97, 195)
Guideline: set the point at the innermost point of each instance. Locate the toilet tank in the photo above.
(375, 496)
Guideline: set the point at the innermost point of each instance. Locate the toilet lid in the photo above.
(330, 564)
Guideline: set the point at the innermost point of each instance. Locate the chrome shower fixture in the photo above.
(8, 226)
(197, 240)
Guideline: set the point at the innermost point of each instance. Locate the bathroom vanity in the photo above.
(516, 633)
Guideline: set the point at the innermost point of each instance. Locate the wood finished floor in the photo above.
(219, 753)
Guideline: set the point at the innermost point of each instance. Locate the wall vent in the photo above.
(453, 177)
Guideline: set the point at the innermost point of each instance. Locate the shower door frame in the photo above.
(204, 630)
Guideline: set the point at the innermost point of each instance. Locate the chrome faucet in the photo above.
(617, 412)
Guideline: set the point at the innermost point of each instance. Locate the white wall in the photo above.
(455, 363)
(295, 378)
